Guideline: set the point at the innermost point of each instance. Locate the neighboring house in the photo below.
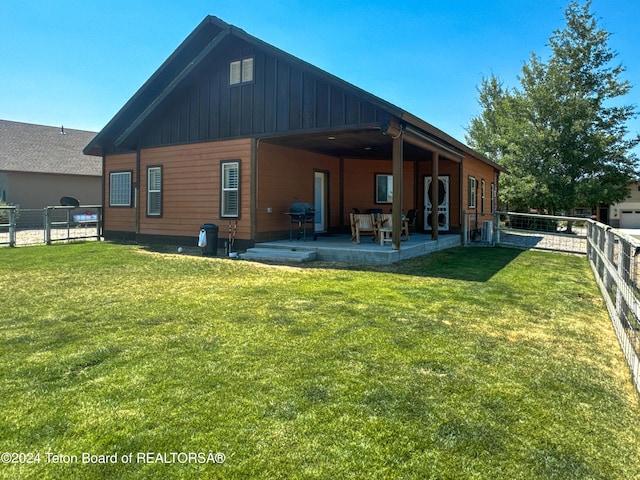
(627, 214)
(231, 129)
(39, 165)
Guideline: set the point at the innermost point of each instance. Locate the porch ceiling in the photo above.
(362, 143)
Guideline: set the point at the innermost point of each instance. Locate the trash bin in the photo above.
(210, 246)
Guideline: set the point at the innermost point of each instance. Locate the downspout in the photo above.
(104, 192)
(136, 192)
(461, 211)
(253, 188)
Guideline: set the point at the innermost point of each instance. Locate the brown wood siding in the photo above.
(191, 188)
(285, 173)
(359, 181)
(119, 219)
(481, 171)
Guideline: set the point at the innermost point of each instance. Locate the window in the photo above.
(384, 188)
(483, 188)
(230, 189)
(493, 197)
(472, 192)
(241, 71)
(120, 189)
(154, 191)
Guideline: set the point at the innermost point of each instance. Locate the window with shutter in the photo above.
(241, 71)
(230, 194)
(154, 191)
(472, 192)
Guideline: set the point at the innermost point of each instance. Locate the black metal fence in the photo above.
(20, 227)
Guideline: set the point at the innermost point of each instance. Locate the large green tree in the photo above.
(563, 134)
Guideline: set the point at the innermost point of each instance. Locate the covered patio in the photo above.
(339, 248)
(342, 171)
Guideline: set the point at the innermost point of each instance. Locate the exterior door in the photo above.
(320, 201)
(442, 209)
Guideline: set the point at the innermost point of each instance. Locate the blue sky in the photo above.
(75, 63)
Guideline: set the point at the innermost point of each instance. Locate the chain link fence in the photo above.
(21, 227)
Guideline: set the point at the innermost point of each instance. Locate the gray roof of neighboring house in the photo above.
(25, 147)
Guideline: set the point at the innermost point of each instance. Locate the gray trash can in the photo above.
(211, 231)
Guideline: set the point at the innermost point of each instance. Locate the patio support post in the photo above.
(435, 158)
(397, 190)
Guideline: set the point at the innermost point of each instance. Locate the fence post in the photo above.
(496, 229)
(608, 246)
(12, 227)
(47, 226)
(99, 224)
(623, 277)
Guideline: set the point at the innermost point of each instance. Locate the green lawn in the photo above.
(469, 363)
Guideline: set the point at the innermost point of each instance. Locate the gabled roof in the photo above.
(25, 147)
(208, 36)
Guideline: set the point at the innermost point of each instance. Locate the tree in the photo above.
(562, 136)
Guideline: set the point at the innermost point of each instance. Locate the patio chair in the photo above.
(362, 223)
(412, 218)
(385, 221)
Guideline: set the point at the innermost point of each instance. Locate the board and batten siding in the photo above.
(283, 97)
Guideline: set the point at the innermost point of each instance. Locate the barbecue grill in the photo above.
(301, 213)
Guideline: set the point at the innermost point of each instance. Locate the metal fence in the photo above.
(612, 254)
(20, 227)
(528, 231)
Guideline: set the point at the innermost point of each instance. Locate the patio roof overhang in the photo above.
(368, 142)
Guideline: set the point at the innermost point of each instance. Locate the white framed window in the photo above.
(230, 184)
(384, 188)
(483, 188)
(241, 71)
(120, 189)
(154, 191)
(472, 191)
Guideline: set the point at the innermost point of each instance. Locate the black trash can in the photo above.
(211, 231)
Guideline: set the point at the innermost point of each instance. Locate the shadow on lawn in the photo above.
(471, 264)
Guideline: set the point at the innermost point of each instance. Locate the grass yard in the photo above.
(469, 363)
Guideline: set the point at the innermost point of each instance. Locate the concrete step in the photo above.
(259, 254)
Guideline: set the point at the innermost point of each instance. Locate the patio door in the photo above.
(320, 183)
(442, 209)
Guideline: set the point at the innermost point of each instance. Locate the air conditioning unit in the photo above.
(487, 231)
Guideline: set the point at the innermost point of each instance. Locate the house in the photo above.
(231, 129)
(626, 214)
(40, 164)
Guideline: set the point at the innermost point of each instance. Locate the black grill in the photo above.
(301, 213)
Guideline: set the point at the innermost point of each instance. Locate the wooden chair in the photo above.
(362, 223)
(385, 221)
